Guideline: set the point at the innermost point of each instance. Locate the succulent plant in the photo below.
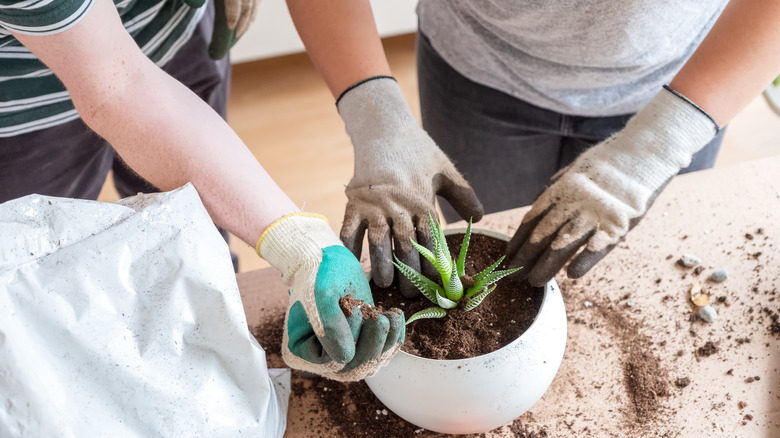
(456, 287)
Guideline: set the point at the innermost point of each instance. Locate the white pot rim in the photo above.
(549, 286)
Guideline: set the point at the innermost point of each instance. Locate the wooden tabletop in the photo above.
(638, 361)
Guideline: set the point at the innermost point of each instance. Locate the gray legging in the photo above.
(507, 148)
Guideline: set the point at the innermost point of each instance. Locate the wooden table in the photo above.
(634, 308)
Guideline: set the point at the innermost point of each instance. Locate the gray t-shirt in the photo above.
(590, 58)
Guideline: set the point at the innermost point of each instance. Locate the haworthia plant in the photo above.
(451, 292)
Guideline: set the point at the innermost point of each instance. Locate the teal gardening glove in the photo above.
(318, 336)
(231, 20)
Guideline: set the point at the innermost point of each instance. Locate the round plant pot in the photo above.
(480, 393)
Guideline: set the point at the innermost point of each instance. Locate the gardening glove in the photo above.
(232, 18)
(604, 193)
(399, 170)
(318, 336)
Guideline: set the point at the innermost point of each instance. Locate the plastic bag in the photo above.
(125, 320)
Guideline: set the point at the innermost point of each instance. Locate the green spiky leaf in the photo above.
(488, 280)
(485, 272)
(432, 312)
(425, 253)
(434, 226)
(464, 247)
(475, 301)
(454, 287)
(445, 302)
(440, 250)
(429, 289)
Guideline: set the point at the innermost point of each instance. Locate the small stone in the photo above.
(587, 304)
(384, 411)
(719, 275)
(741, 404)
(708, 314)
(630, 303)
(690, 261)
(682, 382)
(701, 300)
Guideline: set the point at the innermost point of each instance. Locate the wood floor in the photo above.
(285, 114)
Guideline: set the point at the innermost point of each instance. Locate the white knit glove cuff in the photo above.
(661, 138)
(295, 241)
(373, 110)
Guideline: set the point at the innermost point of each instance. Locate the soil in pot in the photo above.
(500, 319)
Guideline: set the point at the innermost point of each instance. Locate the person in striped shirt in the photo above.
(41, 129)
(89, 81)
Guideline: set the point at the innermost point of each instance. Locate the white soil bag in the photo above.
(125, 320)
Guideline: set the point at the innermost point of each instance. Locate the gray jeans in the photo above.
(507, 148)
(70, 160)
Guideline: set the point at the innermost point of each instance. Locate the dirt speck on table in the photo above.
(707, 350)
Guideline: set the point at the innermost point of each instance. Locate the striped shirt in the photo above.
(31, 96)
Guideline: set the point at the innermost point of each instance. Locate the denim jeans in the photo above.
(507, 148)
(70, 160)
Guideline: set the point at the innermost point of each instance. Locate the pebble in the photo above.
(690, 261)
(587, 304)
(719, 275)
(630, 303)
(708, 314)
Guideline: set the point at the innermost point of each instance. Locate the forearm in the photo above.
(737, 59)
(163, 130)
(170, 137)
(341, 39)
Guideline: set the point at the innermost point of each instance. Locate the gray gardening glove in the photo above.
(604, 193)
(399, 170)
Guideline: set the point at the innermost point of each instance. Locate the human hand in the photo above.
(606, 191)
(318, 336)
(232, 18)
(399, 170)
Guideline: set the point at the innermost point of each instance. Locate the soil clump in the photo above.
(707, 350)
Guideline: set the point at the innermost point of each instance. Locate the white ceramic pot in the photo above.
(480, 393)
